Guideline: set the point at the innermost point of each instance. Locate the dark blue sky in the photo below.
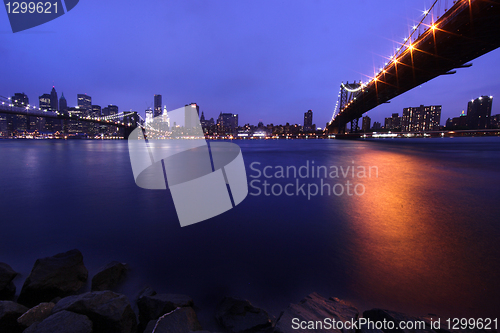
(267, 61)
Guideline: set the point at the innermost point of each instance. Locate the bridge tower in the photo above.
(348, 93)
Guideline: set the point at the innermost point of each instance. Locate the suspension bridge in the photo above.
(126, 121)
(439, 43)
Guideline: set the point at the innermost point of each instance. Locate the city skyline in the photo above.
(84, 102)
(292, 61)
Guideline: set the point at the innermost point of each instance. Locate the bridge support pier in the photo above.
(355, 125)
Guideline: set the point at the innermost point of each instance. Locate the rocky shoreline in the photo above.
(51, 301)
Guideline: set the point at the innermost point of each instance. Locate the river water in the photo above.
(417, 231)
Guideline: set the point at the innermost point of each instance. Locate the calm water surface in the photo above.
(422, 238)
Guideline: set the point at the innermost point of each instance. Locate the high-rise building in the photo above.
(227, 123)
(20, 100)
(85, 103)
(366, 124)
(422, 118)
(96, 111)
(113, 109)
(189, 122)
(149, 116)
(479, 112)
(54, 105)
(63, 104)
(376, 126)
(110, 110)
(18, 122)
(308, 120)
(44, 102)
(157, 106)
(393, 123)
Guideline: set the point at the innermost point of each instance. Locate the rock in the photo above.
(180, 320)
(315, 308)
(9, 312)
(7, 287)
(237, 315)
(62, 322)
(110, 312)
(36, 314)
(379, 315)
(146, 291)
(58, 276)
(109, 277)
(152, 307)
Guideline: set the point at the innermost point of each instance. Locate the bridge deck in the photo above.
(468, 30)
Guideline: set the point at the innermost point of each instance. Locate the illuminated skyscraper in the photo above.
(157, 106)
(149, 116)
(479, 112)
(96, 111)
(308, 121)
(422, 118)
(85, 103)
(20, 99)
(53, 100)
(44, 102)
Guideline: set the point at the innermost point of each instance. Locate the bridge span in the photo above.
(469, 29)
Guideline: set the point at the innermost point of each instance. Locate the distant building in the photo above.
(131, 118)
(63, 104)
(74, 126)
(366, 124)
(85, 103)
(227, 123)
(308, 121)
(393, 123)
(96, 111)
(495, 121)
(44, 102)
(479, 112)
(422, 118)
(149, 116)
(20, 99)
(18, 122)
(110, 110)
(157, 106)
(457, 123)
(53, 100)
(188, 121)
(376, 126)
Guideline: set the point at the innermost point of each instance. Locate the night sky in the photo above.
(267, 61)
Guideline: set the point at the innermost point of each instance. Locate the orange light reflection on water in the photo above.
(411, 245)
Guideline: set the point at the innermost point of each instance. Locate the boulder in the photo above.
(180, 320)
(109, 277)
(58, 276)
(313, 309)
(146, 291)
(9, 312)
(7, 287)
(237, 315)
(110, 312)
(62, 322)
(36, 314)
(152, 307)
(379, 315)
